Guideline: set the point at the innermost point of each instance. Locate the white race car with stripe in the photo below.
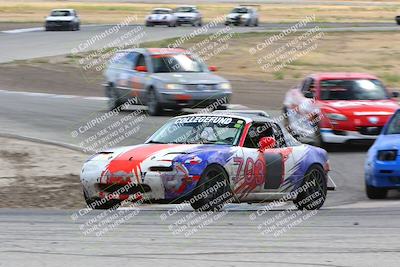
(209, 160)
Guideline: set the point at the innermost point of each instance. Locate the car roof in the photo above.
(162, 8)
(341, 75)
(156, 51)
(187, 6)
(63, 9)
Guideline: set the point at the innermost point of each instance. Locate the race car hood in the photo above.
(234, 15)
(158, 16)
(185, 14)
(351, 108)
(189, 78)
(388, 142)
(129, 163)
(60, 18)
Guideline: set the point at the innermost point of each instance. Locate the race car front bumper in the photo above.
(340, 137)
(384, 174)
(194, 99)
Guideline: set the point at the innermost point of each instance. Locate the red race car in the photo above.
(338, 108)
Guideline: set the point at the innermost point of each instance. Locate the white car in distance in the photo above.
(242, 15)
(188, 15)
(161, 16)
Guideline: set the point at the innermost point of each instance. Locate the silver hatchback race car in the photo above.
(188, 15)
(164, 78)
(242, 15)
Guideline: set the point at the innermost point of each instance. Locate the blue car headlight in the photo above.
(387, 155)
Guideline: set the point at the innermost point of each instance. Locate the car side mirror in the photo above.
(395, 94)
(141, 68)
(266, 143)
(308, 94)
(212, 68)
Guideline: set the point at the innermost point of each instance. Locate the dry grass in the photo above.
(34, 11)
(372, 52)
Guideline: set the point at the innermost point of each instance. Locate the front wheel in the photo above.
(375, 192)
(153, 104)
(212, 191)
(113, 98)
(312, 192)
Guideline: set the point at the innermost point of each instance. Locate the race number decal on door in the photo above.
(274, 170)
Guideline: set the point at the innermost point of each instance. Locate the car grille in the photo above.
(58, 23)
(371, 130)
(201, 87)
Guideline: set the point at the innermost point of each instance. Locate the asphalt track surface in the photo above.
(350, 230)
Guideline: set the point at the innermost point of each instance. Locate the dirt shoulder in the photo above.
(39, 175)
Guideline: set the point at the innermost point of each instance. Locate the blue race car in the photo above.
(382, 167)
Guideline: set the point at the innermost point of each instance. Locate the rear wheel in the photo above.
(212, 190)
(101, 204)
(313, 189)
(376, 193)
(153, 104)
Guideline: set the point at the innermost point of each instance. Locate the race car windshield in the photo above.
(175, 63)
(60, 13)
(159, 11)
(200, 130)
(184, 9)
(394, 125)
(360, 89)
(239, 10)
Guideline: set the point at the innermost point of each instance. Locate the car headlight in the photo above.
(174, 86)
(225, 86)
(336, 117)
(387, 155)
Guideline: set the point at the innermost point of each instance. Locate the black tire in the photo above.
(256, 23)
(200, 23)
(78, 27)
(153, 104)
(226, 23)
(47, 29)
(313, 197)
(203, 197)
(397, 20)
(114, 100)
(375, 193)
(101, 204)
